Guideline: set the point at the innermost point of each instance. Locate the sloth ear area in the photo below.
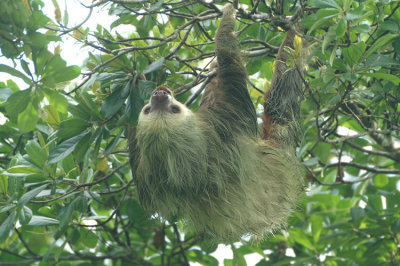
(175, 109)
(146, 110)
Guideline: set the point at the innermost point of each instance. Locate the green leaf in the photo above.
(392, 78)
(323, 151)
(17, 103)
(114, 102)
(51, 116)
(353, 54)
(3, 184)
(301, 238)
(112, 144)
(146, 87)
(67, 74)
(65, 148)
(328, 38)
(81, 204)
(141, 63)
(7, 226)
(324, 17)
(56, 71)
(396, 226)
(65, 214)
(37, 40)
(82, 148)
(380, 44)
(7, 207)
(154, 66)
(15, 73)
(5, 93)
(133, 106)
(57, 100)
(316, 227)
(135, 212)
(357, 214)
(25, 215)
(380, 60)
(86, 102)
(30, 195)
(37, 20)
(238, 258)
(89, 238)
(42, 221)
(36, 153)
(27, 119)
(156, 6)
(381, 180)
(341, 28)
(22, 170)
(324, 3)
(390, 25)
(71, 127)
(362, 28)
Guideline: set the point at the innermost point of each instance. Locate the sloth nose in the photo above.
(160, 96)
(160, 93)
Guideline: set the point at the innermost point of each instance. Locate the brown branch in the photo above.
(371, 169)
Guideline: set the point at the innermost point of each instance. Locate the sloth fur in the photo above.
(211, 168)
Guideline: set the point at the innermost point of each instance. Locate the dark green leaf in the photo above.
(25, 215)
(135, 212)
(71, 127)
(390, 25)
(134, 105)
(146, 87)
(30, 195)
(36, 153)
(154, 66)
(65, 148)
(112, 144)
(114, 102)
(379, 44)
(7, 226)
(389, 77)
(396, 226)
(83, 147)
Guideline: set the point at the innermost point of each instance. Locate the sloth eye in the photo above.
(146, 110)
(175, 109)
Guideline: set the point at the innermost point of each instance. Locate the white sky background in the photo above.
(73, 53)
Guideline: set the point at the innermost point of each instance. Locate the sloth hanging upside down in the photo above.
(215, 169)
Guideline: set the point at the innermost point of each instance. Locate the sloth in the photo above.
(217, 169)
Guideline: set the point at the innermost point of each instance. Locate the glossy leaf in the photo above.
(7, 226)
(65, 148)
(30, 195)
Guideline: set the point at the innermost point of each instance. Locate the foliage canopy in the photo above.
(66, 192)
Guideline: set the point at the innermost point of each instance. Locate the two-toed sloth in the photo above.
(215, 169)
